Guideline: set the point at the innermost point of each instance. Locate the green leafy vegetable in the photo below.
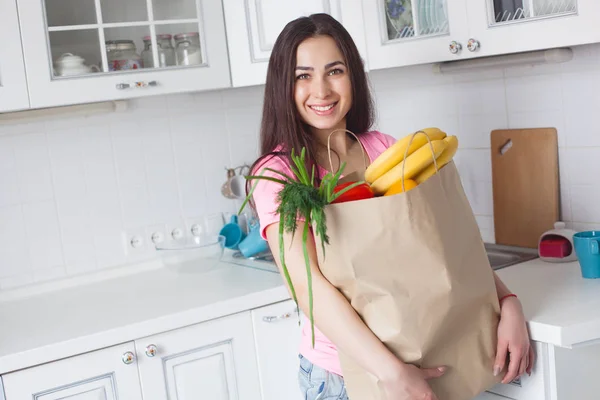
(300, 198)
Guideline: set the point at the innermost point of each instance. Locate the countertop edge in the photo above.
(139, 331)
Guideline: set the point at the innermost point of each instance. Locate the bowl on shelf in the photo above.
(192, 254)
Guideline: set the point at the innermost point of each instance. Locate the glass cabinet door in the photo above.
(403, 32)
(90, 36)
(13, 87)
(506, 11)
(90, 40)
(510, 26)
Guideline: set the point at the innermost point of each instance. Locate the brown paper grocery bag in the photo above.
(414, 267)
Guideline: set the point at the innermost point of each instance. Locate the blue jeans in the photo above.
(317, 383)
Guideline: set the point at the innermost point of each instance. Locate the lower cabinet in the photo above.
(213, 360)
(107, 374)
(277, 336)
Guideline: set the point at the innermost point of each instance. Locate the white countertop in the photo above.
(562, 308)
(71, 321)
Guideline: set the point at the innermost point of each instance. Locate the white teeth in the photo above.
(318, 108)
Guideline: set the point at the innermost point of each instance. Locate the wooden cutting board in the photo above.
(525, 184)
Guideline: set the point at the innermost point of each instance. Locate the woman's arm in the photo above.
(513, 336)
(335, 317)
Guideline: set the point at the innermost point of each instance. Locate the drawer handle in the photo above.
(277, 318)
(140, 84)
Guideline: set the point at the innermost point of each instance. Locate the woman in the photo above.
(316, 84)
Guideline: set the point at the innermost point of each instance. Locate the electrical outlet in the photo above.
(135, 243)
(176, 231)
(156, 235)
(209, 224)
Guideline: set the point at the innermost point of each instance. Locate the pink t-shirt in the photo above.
(324, 354)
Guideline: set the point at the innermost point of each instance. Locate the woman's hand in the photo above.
(410, 383)
(513, 341)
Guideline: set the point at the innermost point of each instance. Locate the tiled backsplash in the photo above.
(71, 189)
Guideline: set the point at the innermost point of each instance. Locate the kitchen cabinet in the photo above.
(13, 86)
(80, 51)
(106, 374)
(253, 27)
(512, 26)
(277, 337)
(404, 32)
(214, 360)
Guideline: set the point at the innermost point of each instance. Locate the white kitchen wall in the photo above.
(73, 189)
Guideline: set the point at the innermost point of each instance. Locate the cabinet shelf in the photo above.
(122, 25)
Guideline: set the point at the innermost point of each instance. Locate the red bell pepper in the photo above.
(360, 192)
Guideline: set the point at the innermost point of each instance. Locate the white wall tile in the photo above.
(43, 235)
(475, 130)
(14, 258)
(9, 182)
(584, 203)
(72, 187)
(128, 142)
(33, 167)
(582, 102)
(481, 98)
(533, 93)
(161, 175)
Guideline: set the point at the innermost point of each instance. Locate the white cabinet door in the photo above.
(253, 27)
(277, 337)
(121, 49)
(405, 32)
(502, 26)
(13, 87)
(212, 360)
(529, 387)
(98, 375)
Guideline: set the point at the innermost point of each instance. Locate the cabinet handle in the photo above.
(128, 357)
(277, 318)
(140, 84)
(455, 47)
(473, 45)
(151, 350)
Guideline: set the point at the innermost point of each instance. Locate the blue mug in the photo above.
(253, 243)
(587, 248)
(233, 233)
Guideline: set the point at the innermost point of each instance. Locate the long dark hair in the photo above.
(281, 123)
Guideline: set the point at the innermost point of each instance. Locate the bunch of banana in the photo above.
(385, 174)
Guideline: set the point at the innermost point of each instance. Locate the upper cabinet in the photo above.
(79, 51)
(253, 27)
(13, 86)
(405, 32)
(59, 52)
(511, 26)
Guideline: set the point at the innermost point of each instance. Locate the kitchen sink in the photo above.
(502, 256)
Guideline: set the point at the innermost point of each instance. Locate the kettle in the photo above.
(556, 245)
(69, 64)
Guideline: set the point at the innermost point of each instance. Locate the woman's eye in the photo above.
(336, 71)
(302, 76)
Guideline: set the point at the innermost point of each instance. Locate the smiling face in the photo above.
(322, 91)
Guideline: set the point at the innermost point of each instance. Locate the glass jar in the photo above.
(166, 52)
(122, 55)
(187, 49)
